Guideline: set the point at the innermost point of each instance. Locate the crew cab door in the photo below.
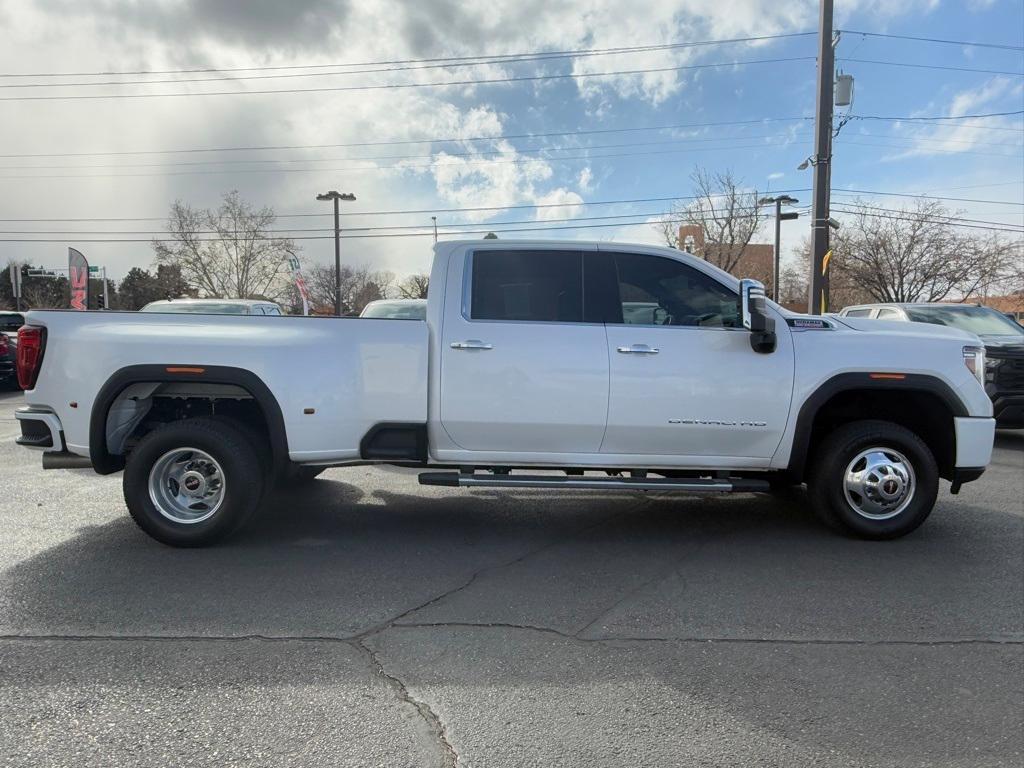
(684, 379)
(521, 370)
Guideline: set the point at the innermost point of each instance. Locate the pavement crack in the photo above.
(449, 758)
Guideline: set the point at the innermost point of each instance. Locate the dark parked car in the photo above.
(1003, 339)
(10, 322)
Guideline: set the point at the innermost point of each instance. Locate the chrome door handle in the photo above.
(471, 344)
(639, 349)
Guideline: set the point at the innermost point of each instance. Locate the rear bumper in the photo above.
(40, 428)
(974, 440)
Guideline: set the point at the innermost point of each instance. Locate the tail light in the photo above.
(31, 345)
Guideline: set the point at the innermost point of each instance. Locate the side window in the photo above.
(888, 314)
(542, 286)
(655, 290)
(858, 313)
(272, 310)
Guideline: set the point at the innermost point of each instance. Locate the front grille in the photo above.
(1010, 375)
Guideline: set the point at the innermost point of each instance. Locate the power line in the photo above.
(931, 66)
(499, 57)
(449, 64)
(389, 86)
(930, 197)
(941, 218)
(972, 43)
(399, 165)
(1003, 228)
(538, 206)
(919, 118)
(909, 147)
(434, 140)
(474, 153)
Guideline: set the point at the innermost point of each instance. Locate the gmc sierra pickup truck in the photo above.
(534, 368)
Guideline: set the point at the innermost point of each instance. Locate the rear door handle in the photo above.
(471, 344)
(639, 349)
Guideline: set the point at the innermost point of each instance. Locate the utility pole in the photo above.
(822, 162)
(434, 219)
(779, 218)
(336, 196)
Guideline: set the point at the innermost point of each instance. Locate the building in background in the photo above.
(755, 259)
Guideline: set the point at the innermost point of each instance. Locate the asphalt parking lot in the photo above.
(370, 622)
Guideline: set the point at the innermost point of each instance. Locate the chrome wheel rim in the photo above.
(879, 483)
(186, 485)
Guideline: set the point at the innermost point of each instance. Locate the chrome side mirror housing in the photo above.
(754, 312)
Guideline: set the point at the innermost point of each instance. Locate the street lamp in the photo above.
(779, 218)
(336, 196)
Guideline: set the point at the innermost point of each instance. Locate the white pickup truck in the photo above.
(560, 365)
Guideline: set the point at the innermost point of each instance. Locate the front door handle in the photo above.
(639, 349)
(471, 344)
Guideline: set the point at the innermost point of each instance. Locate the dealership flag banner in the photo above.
(300, 282)
(78, 277)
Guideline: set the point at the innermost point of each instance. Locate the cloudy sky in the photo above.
(307, 97)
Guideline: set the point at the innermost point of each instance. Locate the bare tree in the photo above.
(723, 213)
(918, 254)
(229, 252)
(359, 286)
(413, 287)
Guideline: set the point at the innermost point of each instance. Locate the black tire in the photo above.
(827, 476)
(243, 480)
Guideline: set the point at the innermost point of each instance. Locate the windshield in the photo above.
(982, 321)
(211, 308)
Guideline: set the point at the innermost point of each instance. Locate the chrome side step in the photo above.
(509, 480)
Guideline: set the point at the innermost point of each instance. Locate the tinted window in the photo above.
(858, 313)
(543, 286)
(654, 290)
(206, 308)
(980, 320)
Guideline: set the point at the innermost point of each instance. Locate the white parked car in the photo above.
(396, 309)
(213, 307)
(534, 356)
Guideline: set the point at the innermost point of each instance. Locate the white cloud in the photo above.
(775, 176)
(570, 205)
(954, 137)
(586, 180)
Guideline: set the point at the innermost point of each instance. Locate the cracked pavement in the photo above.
(368, 621)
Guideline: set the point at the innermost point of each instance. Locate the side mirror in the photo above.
(755, 316)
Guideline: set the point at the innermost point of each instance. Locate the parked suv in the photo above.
(1002, 337)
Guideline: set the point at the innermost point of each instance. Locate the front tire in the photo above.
(873, 480)
(192, 483)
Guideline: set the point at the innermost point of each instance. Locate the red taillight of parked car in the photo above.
(31, 345)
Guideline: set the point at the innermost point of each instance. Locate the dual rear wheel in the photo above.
(194, 482)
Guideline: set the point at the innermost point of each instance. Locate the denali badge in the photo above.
(720, 422)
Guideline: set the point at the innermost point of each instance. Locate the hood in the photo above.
(909, 330)
(1004, 346)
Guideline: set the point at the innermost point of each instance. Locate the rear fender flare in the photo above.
(106, 463)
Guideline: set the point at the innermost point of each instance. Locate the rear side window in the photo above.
(858, 313)
(888, 313)
(541, 286)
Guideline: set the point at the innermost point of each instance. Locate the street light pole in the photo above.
(779, 218)
(336, 196)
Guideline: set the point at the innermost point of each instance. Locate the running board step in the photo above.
(697, 485)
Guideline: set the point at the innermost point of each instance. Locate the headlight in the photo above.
(974, 359)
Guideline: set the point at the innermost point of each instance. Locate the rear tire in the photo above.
(192, 483)
(873, 480)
